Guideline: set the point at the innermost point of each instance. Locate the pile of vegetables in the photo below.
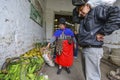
(25, 67)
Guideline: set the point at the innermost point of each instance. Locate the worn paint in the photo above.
(113, 40)
(18, 32)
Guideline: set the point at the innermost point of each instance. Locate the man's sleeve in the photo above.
(111, 19)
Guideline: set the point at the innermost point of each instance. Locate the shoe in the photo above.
(59, 71)
(68, 70)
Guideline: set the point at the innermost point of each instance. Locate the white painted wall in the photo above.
(18, 32)
(53, 6)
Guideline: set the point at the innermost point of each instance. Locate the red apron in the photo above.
(66, 57)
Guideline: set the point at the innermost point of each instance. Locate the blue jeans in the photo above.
(76, 51)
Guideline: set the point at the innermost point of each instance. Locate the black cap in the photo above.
(62, 21)
(79, 2)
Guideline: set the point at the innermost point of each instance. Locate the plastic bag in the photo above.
(108, 2)
(47, 57)
(95, 3)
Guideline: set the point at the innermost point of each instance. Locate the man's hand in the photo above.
(100, 37)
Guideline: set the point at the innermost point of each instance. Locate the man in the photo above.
(95, 23)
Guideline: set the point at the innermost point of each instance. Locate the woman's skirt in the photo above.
(65, 59)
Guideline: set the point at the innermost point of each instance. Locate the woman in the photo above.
(64, 38)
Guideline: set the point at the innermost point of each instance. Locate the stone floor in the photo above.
(76, 71)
